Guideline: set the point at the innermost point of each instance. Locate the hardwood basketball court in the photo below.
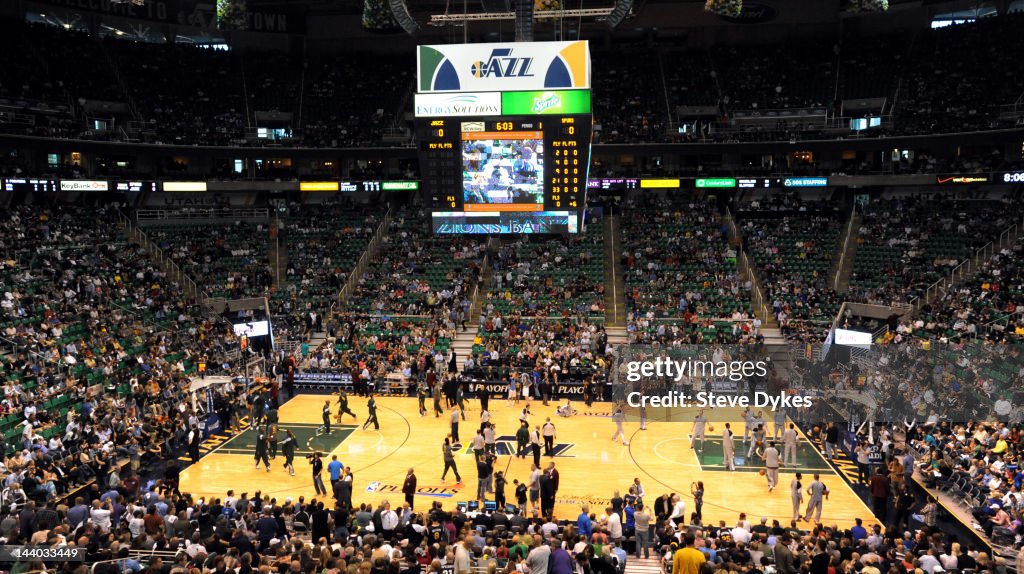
(591, 466)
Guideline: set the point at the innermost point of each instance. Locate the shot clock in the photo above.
(505, 162)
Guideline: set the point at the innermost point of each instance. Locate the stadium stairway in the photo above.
(636, 565)
(615, 286)
(617, 334)
(843, 269)
(971, 266)
(780, 351)
(462, 344)
(277, 252)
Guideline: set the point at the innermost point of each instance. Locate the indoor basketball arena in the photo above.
(511, 287)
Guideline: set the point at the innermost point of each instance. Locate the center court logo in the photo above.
(506, 445)
(378, 487)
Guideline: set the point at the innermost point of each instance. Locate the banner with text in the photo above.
(506, 66)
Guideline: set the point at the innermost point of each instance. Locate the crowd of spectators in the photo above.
(545, 310)
(633, 115)
(358, 80)
(792, 244)
(155, 528)
(407, 306)
(184, 94)
(549, 277)
(978, 464)
(792, 75)
(229, 261)
(323, 242)
(680, 273)
(945, 89)
(105, 343)
(907, 243)
(191, 95)
(99, 346)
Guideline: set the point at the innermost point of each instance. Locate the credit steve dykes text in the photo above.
(712, 400)
(694, 374)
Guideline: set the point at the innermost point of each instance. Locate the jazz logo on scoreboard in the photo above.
(503, 66)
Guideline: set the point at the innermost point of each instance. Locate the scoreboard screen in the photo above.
(506, 174)
(504, 135)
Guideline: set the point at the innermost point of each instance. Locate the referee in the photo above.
(549, 437)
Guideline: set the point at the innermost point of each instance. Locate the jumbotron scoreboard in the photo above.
(504, 133)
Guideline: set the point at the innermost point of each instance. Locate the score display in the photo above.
(506, 174)
(504, 133)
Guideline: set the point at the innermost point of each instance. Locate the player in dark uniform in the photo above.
(436, 390)
(327, 418)
(288, 450)
(421, 394)
(343, 405)
(272, 440)
(484, 396)
(261, 451)
(372, 406)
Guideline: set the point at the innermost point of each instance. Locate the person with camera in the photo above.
(318, 470)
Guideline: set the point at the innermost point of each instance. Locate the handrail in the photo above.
(966, 267)
(166, 263)
(203, 213)
(484, 263)
(364, 261)
(747, 270)
(389, 316)
(842, 256)
(757, 294)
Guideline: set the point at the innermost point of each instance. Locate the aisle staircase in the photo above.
(462, 344)
(967, 269)
(617, 335)
(277, 252)
(843, 269)
(615, 285)
(636, 565)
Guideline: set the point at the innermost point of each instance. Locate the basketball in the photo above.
(711, 428)
(762, 472)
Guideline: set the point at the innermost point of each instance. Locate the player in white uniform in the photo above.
(700, 422)
(771, 465)
(748, 424)
(789, 440)
(817, 492)
(796, 492)
(757, 443)
(618, 418)
(780, 424)
(728, 449)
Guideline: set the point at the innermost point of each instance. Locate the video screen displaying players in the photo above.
(503, 171)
